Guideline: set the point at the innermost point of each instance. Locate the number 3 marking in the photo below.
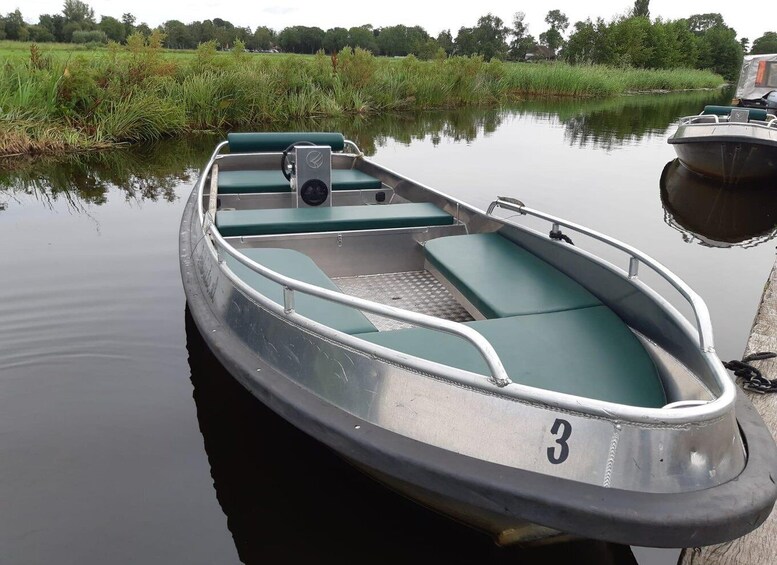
(563, 453)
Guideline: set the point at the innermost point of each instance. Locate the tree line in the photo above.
(699, 41)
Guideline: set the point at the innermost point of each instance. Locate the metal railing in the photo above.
(636, 257)
(290, 286)
(499, 374)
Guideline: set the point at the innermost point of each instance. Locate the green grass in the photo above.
(62, 97)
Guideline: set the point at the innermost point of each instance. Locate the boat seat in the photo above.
(247, 182)
(501, 279)
(754, 113)
(299, 266)
(587, 352)
(330, 218)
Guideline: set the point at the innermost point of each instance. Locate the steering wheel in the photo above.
(288, 168)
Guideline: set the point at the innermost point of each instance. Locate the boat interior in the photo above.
(713, 114)
(381, 237)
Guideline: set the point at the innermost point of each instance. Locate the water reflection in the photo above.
(151, 171)
(144, 172)
(288, 499)
(716, 214)
(612, 122)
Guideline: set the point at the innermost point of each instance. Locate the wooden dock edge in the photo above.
(758, 547)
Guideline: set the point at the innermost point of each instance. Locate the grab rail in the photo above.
(703, 322)
(498, 373)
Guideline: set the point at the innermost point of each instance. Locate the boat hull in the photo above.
(731, 152)
(488, 495)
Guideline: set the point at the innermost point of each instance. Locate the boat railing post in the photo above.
(633, 267)
(288, 300)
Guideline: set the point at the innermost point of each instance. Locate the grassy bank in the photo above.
(63, 100)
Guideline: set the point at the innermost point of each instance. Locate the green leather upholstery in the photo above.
(587, 352)
(268, 142)
(501, 279)
(299, 266)
(245, 182)
(754, 113)
(330, 218)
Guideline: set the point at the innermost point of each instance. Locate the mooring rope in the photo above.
(752, 379)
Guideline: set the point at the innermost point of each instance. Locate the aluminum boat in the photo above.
(495, 373)
(728, 143)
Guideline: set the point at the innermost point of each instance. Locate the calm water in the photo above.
(123, 441)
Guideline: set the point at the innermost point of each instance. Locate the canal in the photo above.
(122, 440)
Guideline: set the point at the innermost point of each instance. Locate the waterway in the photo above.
(122, 440)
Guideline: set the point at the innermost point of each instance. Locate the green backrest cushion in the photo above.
(754, 113)
(246, 182)
(299, 266)
(330, 218)
(502, 279)
(587, 352)
(269, 142)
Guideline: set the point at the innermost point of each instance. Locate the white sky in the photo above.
(431, 16)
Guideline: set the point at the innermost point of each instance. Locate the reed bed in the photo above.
(82, 101)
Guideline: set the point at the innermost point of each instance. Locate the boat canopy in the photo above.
(758, 76)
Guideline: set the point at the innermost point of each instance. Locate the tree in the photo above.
(699, 23)
(489, 35)
(335, 39)
(15, 27)
(522, 42)
(363, 37)
(767, 43)
(744, 42)
(129, 24)
(641, 9)
(177, 35)
(112, 28)
(445, 41)
(78, 12)
(558, 22)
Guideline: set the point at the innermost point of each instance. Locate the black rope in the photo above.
(752, 378)
(557, 235)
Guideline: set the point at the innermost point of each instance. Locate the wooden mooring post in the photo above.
(758, 547)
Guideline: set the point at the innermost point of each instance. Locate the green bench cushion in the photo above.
(587, 352)
(329, 218)
(245, 182)
(299, 266)
(501, 279)
(270, 142)
(753, 113)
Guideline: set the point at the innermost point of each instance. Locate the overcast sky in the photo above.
(433, 17)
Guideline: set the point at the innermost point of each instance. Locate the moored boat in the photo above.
(728, 143)
(499, 375)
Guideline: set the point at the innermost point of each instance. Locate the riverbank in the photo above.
(55, 102)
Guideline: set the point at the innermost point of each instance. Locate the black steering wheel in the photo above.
(288, 168)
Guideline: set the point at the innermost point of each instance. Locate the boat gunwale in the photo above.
(673, 416)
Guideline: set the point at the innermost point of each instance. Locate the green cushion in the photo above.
(330, 218)
(299, 266)
(587, 352)
(501, 279)
(265, 142)
(754, 113)
(244, 182)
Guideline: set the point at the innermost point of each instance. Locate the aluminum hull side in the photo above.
(731, 152)
(483, 489)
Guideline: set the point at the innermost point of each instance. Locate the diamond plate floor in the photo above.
(417, 291)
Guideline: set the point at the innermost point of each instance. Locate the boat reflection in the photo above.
(716, 214)
(289, 499)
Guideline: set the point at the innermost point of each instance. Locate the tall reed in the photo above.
(141, 93)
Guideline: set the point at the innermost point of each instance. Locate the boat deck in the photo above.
(417, 291)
